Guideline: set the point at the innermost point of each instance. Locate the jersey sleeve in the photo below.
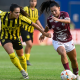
(25, 20)
(66, 15)
(48, 24)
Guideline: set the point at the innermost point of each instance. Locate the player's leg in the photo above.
(27, 38)
(22, 59)
(8, 46)
(71, 52)
(73, 59)
(60, 48)
(28, 50)
(74, 63)
(19, 50)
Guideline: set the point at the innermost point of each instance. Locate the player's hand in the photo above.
(47, 34)
(41, 38)
(55, 19)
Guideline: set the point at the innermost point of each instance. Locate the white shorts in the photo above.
(69, 46)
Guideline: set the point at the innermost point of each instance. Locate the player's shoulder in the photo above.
(2, 13)
(36, 9)
(63, 12)
(25, 8)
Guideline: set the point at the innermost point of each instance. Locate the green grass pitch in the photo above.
(46, 64)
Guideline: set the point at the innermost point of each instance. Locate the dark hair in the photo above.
(45, 6)
(13, 6)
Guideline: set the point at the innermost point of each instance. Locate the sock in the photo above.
(15, 61)
(66, 66)
(23, 62)
(27, 56)
(75, 71)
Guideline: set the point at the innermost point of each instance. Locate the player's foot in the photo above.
(28, 63)
(24, 74)
(78, 77)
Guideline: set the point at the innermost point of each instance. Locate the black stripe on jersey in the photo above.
(4, 18)
(27, 27)
(13, 23)
(29, 11)
(25, 22)
(30, 28)
(18, 21)
(8, 22)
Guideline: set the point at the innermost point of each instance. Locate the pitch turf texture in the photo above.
(46, 64)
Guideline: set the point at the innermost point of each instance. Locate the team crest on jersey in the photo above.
(53, 26)
(63, 24)
(28, 36)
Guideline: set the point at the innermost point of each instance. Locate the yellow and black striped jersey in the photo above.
(33, 17)
(10, 28)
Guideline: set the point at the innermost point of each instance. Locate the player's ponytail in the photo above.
(45, 6)
(13, 6)
(23, 12)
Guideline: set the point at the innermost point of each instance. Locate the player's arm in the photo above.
(41, 38)
(38, 23)
(27, 21)
(66, 20)
(48, 26)
(46, 29)
(38, 28)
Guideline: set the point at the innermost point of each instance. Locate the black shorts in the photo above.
(26, 36)
(17, 45)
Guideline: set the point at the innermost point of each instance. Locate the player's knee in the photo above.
(29, 45)
(64, 55)
(62, 52)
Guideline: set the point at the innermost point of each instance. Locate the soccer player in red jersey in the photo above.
(62, 41)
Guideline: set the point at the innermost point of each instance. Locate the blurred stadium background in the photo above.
(70, 6)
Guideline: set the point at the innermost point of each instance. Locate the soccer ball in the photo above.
(66, 75)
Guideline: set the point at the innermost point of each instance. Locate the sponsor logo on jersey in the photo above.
(51, 20)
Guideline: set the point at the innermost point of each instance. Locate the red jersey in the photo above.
(61, 30)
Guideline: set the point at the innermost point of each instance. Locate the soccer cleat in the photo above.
(24, 74)
(78, 77)
(28, 63)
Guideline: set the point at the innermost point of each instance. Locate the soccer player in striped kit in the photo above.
(62, 41)
(11, 23)
(27, 33)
